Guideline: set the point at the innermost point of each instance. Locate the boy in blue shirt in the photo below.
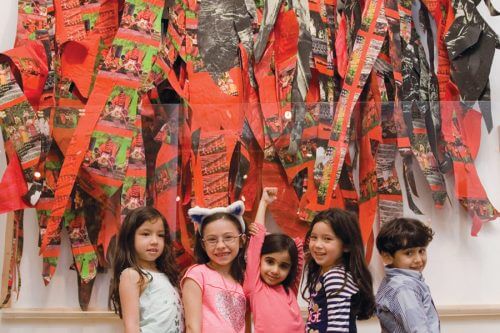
(403, 301)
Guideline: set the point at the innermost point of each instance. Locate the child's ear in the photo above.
(243, 240)
(387, 258)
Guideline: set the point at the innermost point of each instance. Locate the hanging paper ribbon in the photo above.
(109, 144)
(366, 48)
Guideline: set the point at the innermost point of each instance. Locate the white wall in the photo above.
(462, 270)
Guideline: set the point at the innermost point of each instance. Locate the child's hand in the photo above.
(269, 194)
(253, 229)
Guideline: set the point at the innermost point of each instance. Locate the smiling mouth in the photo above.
(152, 250)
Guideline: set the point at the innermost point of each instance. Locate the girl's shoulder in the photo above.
(336, 270)
(196, 268)
(131, 278)
(202, 271)
(130, 274)
(196, 272)
(339, 277)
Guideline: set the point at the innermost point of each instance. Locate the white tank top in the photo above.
(160, 306)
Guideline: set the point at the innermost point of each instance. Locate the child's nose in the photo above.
(318, 243)
(220, 243)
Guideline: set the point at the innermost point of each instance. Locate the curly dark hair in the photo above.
(125, 257)
(403, 233)
(238, 265)
(345, 226)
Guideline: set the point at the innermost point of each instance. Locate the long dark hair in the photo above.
(278, 243)
(125, 257)
(345, 226)
(238, 265)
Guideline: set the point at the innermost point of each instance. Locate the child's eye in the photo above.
(269, 261)
(313, 238)
(285, 266)
(211, 240)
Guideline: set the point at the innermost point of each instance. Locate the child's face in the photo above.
(414, 258)
(275, 267)
(149, 242)
(221, 241)
(325, 247)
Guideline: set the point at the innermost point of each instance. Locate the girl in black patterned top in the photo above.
(338, 283)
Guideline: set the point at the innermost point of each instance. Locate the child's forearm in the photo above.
(268, 196)
(260, 217)
(300, 264)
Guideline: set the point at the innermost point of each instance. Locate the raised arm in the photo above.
(258, 232)
(130, 291)
(269, 194)
(300, 264)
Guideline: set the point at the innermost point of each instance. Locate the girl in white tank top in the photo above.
(145, 278)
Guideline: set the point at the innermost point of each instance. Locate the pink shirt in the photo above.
(223, 301)
(273, 309)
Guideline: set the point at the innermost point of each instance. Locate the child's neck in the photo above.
(224, 270)
(149, 266)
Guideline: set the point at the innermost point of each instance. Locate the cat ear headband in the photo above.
(198, 214)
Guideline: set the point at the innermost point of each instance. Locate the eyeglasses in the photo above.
(226, 239)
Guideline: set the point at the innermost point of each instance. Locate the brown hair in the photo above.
(345, 226)
(281, 242)
(238, 265)
(403, 233)
(125, 257)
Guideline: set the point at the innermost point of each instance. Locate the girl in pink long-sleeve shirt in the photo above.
(272, 277)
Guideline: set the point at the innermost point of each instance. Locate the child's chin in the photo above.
(223, 261)
(272, 283)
